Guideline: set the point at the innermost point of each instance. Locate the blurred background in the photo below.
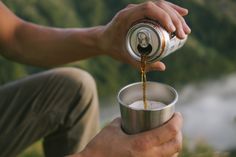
(203, 71)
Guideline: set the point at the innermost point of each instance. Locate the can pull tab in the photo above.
(144, 46)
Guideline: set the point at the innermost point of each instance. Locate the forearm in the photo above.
(45, 46)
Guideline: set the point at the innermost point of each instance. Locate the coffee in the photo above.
(139, 105)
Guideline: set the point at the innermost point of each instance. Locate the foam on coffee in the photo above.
(151, 105)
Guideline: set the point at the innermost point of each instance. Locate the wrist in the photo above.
(85, 42)
(101, 43)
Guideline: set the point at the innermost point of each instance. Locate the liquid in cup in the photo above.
(139, 105)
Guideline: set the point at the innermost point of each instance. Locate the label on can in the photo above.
(173, 45)
(150, 38)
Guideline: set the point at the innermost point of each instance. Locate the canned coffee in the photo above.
(149, 38)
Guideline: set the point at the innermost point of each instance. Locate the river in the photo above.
(209, 111)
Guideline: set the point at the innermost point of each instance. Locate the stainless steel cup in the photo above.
(139, 120)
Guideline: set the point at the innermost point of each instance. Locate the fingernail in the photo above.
(182, 34)
(188, 30)
(163, 67)
(186, 10)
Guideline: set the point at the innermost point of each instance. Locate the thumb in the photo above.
(116, 124)
(159, 66)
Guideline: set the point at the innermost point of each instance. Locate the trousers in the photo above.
(59, 106)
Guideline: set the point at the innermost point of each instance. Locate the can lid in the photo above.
(143, 38)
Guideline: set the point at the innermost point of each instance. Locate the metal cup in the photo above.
(138, 120)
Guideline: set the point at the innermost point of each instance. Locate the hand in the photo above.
(169, 15)
(165, 141)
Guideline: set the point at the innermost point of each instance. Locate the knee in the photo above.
(80, 86)
(78, 79)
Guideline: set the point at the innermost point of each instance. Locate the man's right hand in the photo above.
(165, 141)
(113, 35)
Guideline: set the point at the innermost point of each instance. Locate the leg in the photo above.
(60, 105)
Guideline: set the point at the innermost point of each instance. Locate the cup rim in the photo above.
(158, 109)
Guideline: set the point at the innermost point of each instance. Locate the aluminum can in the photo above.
(150, 38)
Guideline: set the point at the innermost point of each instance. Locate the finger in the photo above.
(174, 17)
(182, 11)
(186, 28)
(172, 147)
(152, 11)
(159, 66)
(164, 133)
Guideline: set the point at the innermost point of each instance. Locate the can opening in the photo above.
(144, 50)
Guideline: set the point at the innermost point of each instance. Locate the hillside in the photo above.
(209, 52)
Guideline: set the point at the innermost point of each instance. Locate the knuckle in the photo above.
(130, 5)
(177, 144)
(161, 3)
(165, 17)
(140, 144)
(120, 15)
(179, 116)
(173, 129)
(177, 22)
(148, 5)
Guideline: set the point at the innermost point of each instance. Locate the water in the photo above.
(209, 111)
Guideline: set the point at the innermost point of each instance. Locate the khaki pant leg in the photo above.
(60, 106)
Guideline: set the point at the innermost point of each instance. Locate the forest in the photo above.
(210, 51)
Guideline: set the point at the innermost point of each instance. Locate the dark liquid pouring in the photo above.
(144, 78)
